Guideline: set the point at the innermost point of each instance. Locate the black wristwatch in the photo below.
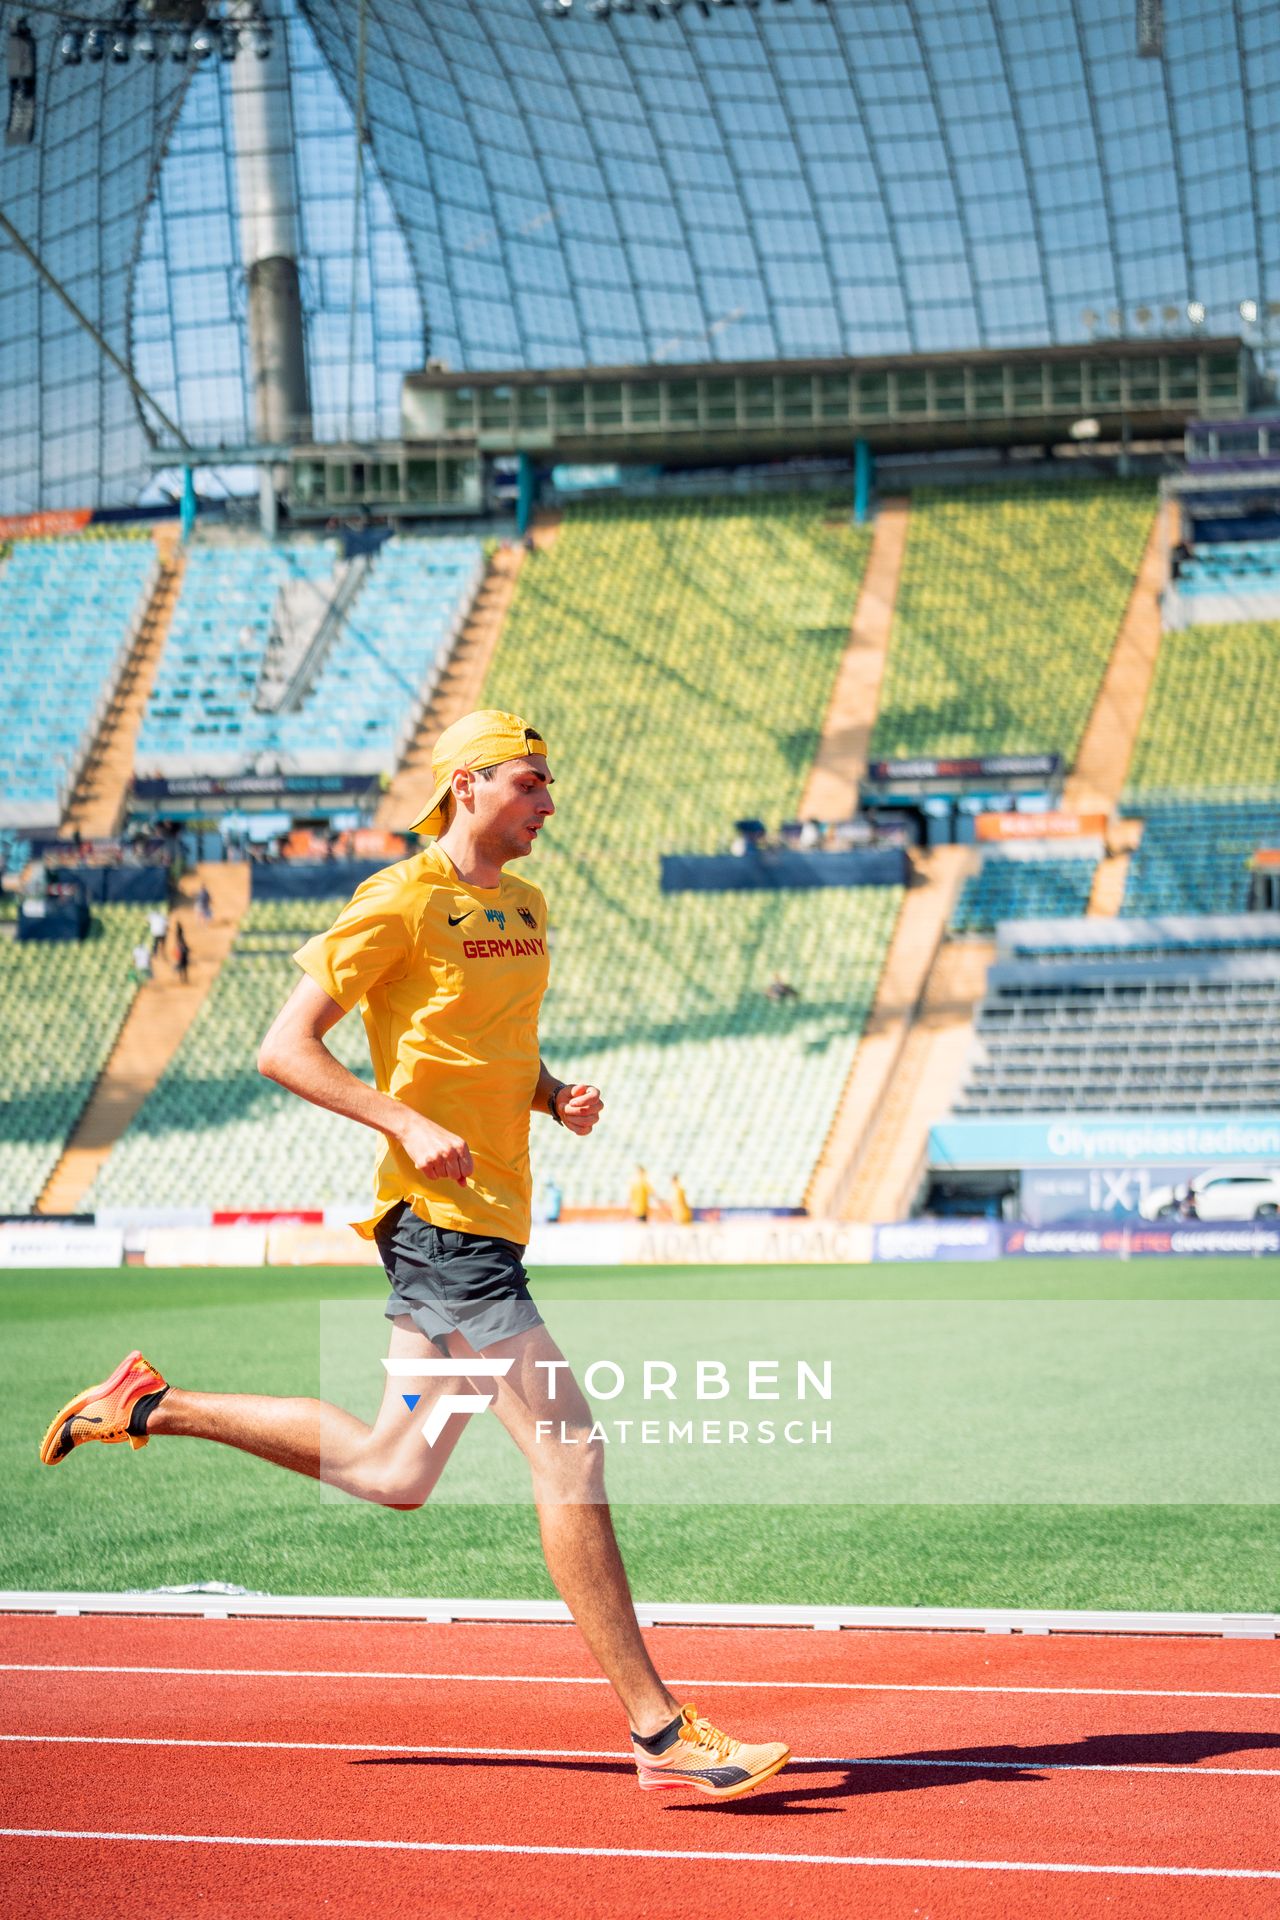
(551, 1104)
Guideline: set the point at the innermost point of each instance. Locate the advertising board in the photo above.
(1170, 1140)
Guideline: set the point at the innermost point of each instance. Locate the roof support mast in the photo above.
(262, 119)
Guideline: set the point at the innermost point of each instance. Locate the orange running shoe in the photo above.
(105, 1412)
(693, 1753)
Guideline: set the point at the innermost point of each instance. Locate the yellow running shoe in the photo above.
(693, 1753)
(107, 1412)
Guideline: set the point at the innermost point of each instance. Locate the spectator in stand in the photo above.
(181, 952)
(681, 1211)
(552, 1199)
(158, 926)
(811, 832)
(640, 1197)
(142, 963)
(780, 989)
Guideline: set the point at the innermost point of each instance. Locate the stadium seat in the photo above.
(1113, 1037)
(1007, 610)
(362, 707)
(68, 612)
(1205, 777)
(1003, 889)
(64, 1003)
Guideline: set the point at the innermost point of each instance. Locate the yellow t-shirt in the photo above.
(449, 978)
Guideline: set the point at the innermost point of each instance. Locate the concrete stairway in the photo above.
(865, 1104)
(831, 791)
(1097, 779)
(155, 1024)
(97, 806)
(462, 681)
(925, 1080)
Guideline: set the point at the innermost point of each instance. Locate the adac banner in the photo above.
(937, 1240)
(1182, 1238)
(1105, 1140)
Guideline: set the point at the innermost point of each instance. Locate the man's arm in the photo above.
(579, 1107)
(294, 1055)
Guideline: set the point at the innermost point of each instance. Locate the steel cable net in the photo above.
(748, 183)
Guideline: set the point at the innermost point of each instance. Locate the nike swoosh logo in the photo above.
(461, 917)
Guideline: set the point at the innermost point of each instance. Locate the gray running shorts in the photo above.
(448, 1282)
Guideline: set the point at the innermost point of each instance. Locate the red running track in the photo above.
(293, 1767)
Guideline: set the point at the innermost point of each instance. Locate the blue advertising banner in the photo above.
(937, 1240)
(1105, 1140)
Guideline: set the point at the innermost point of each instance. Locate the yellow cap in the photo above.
(483, 739)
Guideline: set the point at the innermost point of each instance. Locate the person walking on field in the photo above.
(446, 954)
(640, 1196)
(181, 952)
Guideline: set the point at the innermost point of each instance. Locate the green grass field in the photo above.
(186, 1511)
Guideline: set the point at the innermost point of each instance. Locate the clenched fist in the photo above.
(434, 1151)
(579, 1107)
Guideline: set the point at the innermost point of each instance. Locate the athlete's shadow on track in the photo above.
(1010, 1765)
(915, 1772)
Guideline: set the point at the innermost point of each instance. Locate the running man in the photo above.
(446, 954)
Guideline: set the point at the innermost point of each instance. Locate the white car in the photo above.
(1225, 1193)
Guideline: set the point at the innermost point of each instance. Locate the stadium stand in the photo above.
(1207, 790)
(1012, 889)
(64, 1005)
(68, 612)
(213, 1125)
(1194, 855)
(1228, 677)
(1195, 1032)
(363, 704)
(1008, 606)
(632, 642)
(681, 658)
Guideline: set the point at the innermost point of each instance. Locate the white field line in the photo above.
(613, 1753)
(650, 1613)
(648, 1853)
(598, 1680)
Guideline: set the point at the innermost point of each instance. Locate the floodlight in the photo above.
(599, 9)
(71, 47)
(1171, 315)
(145, 44)
(95, 44)
(1249, 312)
(20, 60)
(1143, 316)
(121, 42)
(1195, 312)
(557, 8)
(260, 36)
(1087, 429)
(204, 41)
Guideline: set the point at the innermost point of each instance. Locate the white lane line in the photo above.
(647, 1853)
(613, 1753)
(598, 1680)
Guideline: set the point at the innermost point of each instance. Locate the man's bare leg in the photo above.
(390, 1463)
(387, 1463)
(578, 1540)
